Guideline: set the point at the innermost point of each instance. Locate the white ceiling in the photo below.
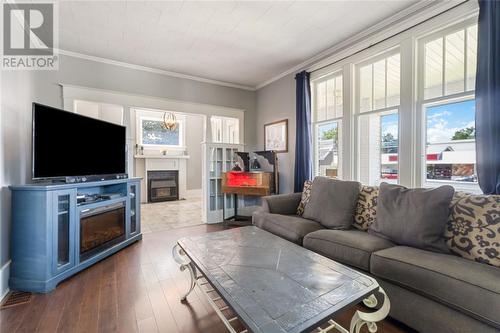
(243, 43)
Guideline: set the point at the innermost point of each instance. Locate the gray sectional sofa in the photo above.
(430, 292)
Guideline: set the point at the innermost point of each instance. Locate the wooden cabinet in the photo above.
(48, 225)
(247, 183)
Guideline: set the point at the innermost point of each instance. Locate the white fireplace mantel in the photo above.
(145, 163)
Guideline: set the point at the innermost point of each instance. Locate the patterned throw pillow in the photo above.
(473, 228)
(306, 195)
(366, 209)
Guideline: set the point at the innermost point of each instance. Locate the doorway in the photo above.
(172, 202)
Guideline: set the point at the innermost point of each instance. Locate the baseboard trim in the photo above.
(4, 280)
(196, 193)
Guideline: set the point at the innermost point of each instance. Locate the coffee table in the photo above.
(273, 285)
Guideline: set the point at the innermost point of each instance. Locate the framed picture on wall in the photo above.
(276, 136)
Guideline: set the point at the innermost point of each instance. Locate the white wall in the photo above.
(21, 88)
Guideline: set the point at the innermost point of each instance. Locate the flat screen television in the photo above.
(67, 144)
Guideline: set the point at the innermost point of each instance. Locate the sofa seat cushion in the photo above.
(289, 227)
(470, 287)
(351, 247)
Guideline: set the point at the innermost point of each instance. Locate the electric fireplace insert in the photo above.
(101, 228)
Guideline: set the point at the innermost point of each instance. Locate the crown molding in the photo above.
(397, 23)
(75, 92)
(153, 70)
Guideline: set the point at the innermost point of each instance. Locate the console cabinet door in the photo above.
(63, 235)
(134, 194)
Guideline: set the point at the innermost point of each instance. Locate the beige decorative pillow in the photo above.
(366, 209)
(306, 195)
(473, 228)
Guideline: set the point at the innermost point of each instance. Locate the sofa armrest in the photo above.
(285, 204)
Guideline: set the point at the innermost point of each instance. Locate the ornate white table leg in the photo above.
(184, 262)
(371, 301)
(370, 319)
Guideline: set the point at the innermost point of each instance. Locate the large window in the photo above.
(401, 111)
(449, 70)
(327, 125)
(378, 101)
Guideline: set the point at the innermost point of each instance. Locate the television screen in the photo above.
(68, 144)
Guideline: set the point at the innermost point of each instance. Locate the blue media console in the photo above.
(54, 235)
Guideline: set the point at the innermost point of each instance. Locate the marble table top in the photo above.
(272, 284)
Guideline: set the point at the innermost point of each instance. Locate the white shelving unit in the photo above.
(221, 158)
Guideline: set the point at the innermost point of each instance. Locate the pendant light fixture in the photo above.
(170, 121)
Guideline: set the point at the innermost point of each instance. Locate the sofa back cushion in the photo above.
(413, 217)
(366, 209)
(332, 202)
(473, 228)
(304, 199)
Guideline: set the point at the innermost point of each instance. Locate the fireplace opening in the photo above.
(163, 186)
(101, 228)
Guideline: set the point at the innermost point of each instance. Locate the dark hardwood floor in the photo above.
(135, 290)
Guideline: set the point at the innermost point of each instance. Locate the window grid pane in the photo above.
(393, 80)
(330, 97)
(328, 109)
(450, 142)
(451, 58)
(379, 148)
(155, 133)
(454, 63)
(216, 124)
(379, 84)
(366, 88)
(471, 57)
(328, 149)
(339, 97)
(328, 104)
(321, 101)
(433, 72)
(225, 129)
